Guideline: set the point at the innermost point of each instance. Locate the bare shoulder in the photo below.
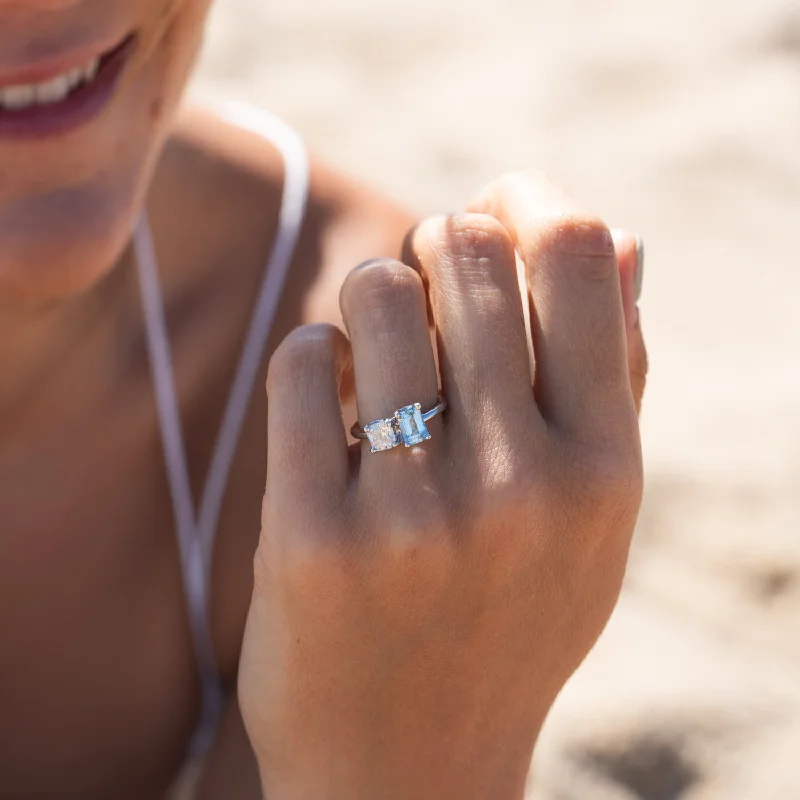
(228, 184)
(362, 224)
(214, 203)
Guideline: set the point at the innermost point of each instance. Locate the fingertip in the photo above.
(307, 349)
(305, 432)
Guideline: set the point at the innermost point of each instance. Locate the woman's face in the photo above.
(74, 166)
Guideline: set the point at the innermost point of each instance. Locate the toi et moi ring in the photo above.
(406, 426)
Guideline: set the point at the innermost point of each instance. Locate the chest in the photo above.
(99, 687)
(97, 680)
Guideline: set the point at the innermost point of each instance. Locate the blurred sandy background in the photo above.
(680, 120)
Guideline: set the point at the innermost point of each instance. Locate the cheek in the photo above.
(169, 49)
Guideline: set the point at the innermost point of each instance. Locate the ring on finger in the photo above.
(406, 426)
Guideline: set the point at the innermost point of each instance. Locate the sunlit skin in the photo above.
(98, 684)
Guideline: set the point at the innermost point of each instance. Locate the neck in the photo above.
(47, 348)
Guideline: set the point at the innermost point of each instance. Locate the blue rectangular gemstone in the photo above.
(412, 427)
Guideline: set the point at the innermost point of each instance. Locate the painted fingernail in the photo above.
(638, 278)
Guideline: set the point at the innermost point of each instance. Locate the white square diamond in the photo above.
(382, 435)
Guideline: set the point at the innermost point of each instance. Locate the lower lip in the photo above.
(76, 109)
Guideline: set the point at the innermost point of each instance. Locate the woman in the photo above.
(415, 610)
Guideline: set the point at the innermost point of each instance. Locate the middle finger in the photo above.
(469, 263)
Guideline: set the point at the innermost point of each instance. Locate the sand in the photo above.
(680, 120)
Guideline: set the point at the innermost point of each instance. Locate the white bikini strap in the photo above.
(193, 573)
(196, 533)
(290, 223)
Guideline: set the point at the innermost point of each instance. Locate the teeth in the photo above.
(90, 70)
(75, 77)
(53, 91)
(15, 98)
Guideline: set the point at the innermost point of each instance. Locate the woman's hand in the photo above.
(417, 611)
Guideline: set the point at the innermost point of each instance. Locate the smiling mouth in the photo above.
(65, 101)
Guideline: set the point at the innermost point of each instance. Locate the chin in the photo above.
(68, 203)
(66, 245)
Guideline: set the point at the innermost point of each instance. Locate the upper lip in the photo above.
(47, 68)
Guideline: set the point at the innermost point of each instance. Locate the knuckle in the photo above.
(433, 545)
(302, 570)
(599, 484)
(581, 242)
(478, 237)
(609, 482)
(381, 284)
(471, 255)
(312, 556)
(304, 350)
(408, 514)
(421, 553)
(403, 507)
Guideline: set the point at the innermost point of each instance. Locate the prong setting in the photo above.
(406, 426)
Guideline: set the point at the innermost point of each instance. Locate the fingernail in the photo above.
(631, 274)
(638, 278)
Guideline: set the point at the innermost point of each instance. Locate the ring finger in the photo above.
(384, 308)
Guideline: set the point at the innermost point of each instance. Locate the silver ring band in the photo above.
(406, 426)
